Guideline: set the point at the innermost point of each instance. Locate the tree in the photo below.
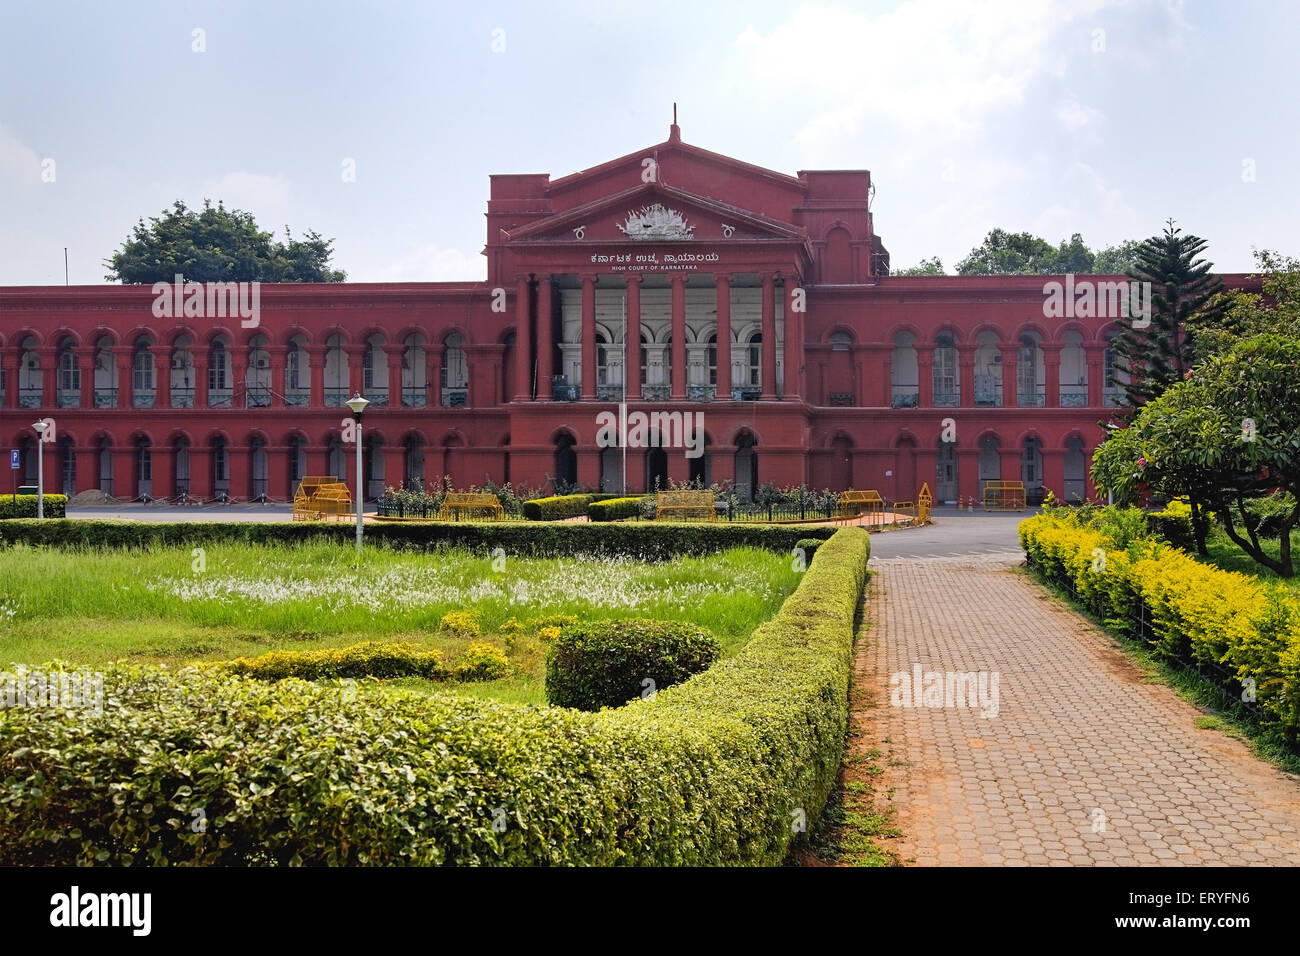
(1009, 253)
(1117, 260)
(926, 267)
(1226, 435)
(1074, 257)
(218, 245)
(1158, 352)
(1246, 313)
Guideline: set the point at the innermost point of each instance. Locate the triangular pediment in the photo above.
(653, 212)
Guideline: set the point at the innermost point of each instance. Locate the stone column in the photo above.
(679, 337)
(162, 380)
(793, 340)
(1095, 357)
(1052, 377)
(588, 338)
(86, 365)
(316, 362)
(769, 338)
(394, 355)
(48, 356)
(278, 355)
(523, 342)
(632, 344)
(1010, 385)
(723, 293)
(545, 338)
(966, 367)
(925, 377)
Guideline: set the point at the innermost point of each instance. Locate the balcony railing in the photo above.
(336, 397)
(562, 391)
(609, 393)
(455, 397)
(746, 393)
(105, 398)
(1035, 398)
(182, 398)
(656, 393)
(701, 393)
(1074, 396)
(257, 396)
(221, 398)
(69, 398)
(377, 397)
(141, 398)
(415, 397)
(841, 399)
(988, 396)
(29, 398)
(297, 397)
(905, 396)
(1114, 396)
(947, 399)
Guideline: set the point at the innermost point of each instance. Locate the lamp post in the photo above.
(40, 467)
(358, 405)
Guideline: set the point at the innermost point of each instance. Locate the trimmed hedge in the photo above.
(1173, 524)
(808, 546)
(558, 507)
(605, 663)
(1198, 614)
(711, 772)
(368, 659)
(24, 506)
(614, 509)
(652, 542)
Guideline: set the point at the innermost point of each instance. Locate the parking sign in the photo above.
(14, 458)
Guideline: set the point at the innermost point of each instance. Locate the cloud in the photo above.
(20, 165)
(1079, 120)
(429, 263)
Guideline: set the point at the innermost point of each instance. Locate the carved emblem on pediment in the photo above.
(656, 222)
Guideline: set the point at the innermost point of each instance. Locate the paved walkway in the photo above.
(1083, 763)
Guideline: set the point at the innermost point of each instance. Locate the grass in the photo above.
(1225, 554)
(177, 605)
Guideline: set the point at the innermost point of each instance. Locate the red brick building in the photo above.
(760, 299)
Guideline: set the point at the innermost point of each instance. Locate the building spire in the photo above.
(674, 131)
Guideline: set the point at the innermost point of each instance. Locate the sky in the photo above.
(377, 124)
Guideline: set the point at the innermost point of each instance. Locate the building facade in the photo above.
(674, 280)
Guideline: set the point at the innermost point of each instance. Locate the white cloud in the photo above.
(430, 263)
(1080, 120)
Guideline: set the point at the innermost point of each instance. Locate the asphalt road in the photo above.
(953, 534)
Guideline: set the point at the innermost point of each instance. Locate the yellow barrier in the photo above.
(686, 504)
(1004, 496)
(318, 496)
(477, 504)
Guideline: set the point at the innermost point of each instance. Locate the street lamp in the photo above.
(358, 405)
(40, 467)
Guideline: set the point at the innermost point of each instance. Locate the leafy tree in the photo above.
(218, 245)
(1117, 260)
(1155, 354)
(1228, 434)
(1074, 256)
(1248, 313)
(1009, 253)
(926, 267)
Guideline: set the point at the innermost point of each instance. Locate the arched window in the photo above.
(415, 372)
(336, 372)
(69, 388)
(602, 359)
(143, 469)
(257, 379)
(841, 341)
(946, 375)
(182, 373)
(988, 370)
(1074, 371)
(68, 465)
(1030, 376)
(182, 464)
(30, 381)
(297, 373)
(374, 371)
(455, 372)
(105, 374)
(106, 466)
(754, 360)
(258, 461)
(904, 373)
(220, 469)
(221, 391)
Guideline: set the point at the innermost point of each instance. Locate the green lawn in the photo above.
(89, 607)
(1225, 554)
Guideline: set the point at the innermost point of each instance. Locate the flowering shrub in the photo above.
(483, 661)
(370, 659)
(464, 623)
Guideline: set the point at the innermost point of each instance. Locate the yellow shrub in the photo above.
(464, 623)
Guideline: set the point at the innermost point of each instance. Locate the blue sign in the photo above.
(14, 458)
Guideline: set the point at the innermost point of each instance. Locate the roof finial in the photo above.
(674, 133)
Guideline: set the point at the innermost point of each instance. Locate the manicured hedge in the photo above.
(558, 507)
(368, 659)
(652, 542)
(606, 663)
(24, 506)
(1173, 524)
(713, 771)
(1198, 614)
(614, 509)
